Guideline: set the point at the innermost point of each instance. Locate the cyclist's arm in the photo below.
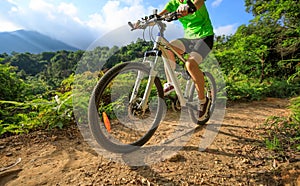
(198, 3)
(183, 8)
(164, 11)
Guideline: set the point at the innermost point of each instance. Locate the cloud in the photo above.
(43, 8)
(58, 20)
(225, 30)
(68, 9)
(216, 3)
(7, 9)
(66, 21)
(62, 20)
(117, 13)
(6, 25)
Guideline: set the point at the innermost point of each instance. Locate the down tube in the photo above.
(175, 81)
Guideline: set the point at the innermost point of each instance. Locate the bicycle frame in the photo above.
(161, 44)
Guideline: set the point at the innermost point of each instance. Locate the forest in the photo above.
(262, 59)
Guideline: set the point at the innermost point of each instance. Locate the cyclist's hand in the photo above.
(183, 9)
(136, 25)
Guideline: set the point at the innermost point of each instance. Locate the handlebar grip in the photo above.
(131, 25)
(171, 16)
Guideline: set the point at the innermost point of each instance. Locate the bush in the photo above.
(37, 114)
(283, 134)
(244, 88)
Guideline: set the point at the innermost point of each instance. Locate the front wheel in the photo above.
(210, 89)
(117, 124)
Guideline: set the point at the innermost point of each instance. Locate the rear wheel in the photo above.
(126, 126)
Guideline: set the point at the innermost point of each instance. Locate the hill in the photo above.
(30, 41)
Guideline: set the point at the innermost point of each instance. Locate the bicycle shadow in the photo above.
(168, 149)
(8, 175)
(149, 173)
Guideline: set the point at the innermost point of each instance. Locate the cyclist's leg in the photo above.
(199, 49)
(180, 48)
(192, 65)
(198, 52)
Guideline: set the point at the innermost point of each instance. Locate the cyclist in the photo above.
(197, 42)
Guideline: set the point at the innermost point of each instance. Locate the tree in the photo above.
(27, 62)
(282, 16)
(11, 85)
(61, 66)
(269, 45)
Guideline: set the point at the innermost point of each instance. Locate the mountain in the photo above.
(30, 41)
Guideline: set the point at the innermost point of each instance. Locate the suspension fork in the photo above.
(144, 103)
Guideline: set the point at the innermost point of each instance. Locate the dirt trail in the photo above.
(236, 157)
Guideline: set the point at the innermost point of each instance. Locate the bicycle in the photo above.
(132, 95)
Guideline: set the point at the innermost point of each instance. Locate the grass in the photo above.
(283, 133)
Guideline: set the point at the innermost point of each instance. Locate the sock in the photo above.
(202, 101)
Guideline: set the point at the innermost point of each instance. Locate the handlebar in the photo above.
(155, 18)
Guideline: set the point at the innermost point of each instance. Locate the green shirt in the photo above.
(196, 25)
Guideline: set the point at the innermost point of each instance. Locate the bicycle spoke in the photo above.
(125, 123)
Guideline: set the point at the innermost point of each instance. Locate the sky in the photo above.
(79, 22)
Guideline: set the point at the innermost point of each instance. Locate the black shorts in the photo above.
(202, 46)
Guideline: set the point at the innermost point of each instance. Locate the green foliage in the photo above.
(36, 88)
(26, 62)
(245, 89)
(241, 87)
(37, 114)
(60, 66)
(286, 131)
(279, 21)
(131, 52)
(285, 12)
(104, 58)
(11, 85)
(295, 109)
(255, 51)
(260, 59)
(54, 67)
(295, 117)
(273, 144)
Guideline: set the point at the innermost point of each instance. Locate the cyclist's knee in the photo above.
(191, 64)
(195, 56)
(178, 45)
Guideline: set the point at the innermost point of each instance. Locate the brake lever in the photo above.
(134, 27)
(131, 25)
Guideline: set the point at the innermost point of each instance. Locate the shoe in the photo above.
(168, 88)
(204, 111)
